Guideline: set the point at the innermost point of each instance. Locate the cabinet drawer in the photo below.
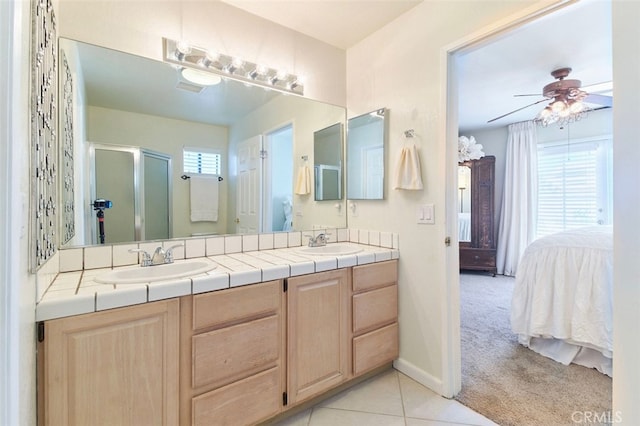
(375, 308)
(375, 275)
(227, 306)
(478, 258)
(245, 402)
(373, 349)
(233, 353)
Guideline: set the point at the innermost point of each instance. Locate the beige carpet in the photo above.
(510, 384)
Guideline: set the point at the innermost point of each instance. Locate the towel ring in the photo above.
(185, 177)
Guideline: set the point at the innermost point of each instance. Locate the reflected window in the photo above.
(201, 161)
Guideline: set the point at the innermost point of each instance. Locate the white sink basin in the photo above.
(330, 250)
(138, 274)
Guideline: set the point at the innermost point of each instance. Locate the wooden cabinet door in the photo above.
(117, 367)
(318, 318)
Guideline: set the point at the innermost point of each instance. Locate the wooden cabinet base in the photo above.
(112, 367)
(374, 349)
(245, 402)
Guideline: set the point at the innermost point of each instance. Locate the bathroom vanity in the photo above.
(239, 355)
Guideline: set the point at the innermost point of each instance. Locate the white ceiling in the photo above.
(521, 62)
(341, 23)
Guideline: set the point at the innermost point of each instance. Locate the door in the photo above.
(249, 206)
(318, 339)
(156, 190)
(114, 174)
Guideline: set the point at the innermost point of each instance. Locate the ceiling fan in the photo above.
(567, 99)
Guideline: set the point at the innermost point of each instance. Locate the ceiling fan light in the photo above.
(576, 107)
(201, 78)
(545, 113)
(558, 106)
(564, 113)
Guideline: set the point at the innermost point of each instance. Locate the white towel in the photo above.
(204, 198)
(408, 173)
(303, 182)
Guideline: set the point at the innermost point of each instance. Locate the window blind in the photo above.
(573, 185)
(196, 161)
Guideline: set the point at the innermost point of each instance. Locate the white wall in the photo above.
(17, 285)
(399, 67)
(626, 178)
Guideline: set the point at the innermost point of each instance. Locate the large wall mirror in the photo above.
(366, 140)
(122, 103)
(327, 162)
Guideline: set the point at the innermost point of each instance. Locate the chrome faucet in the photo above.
(319, 240)
(160, 256)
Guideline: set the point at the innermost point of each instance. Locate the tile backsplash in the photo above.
(94, 257)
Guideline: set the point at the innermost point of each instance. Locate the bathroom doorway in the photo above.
(278, 179)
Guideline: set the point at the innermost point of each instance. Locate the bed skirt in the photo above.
(568, 353)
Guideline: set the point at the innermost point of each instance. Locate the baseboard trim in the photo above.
(419, 375)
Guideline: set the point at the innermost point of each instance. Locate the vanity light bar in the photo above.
(198, 58)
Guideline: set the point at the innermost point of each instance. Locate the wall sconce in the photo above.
(218, 64)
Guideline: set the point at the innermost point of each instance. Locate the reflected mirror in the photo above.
(464, 200)
(327, 162)
(366, 137)
(125, 104)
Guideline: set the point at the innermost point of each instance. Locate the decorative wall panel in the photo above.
(66, 122)
(44, 120)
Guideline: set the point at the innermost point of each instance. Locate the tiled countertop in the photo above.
(74, 293)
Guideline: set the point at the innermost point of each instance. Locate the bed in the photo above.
(562, 304)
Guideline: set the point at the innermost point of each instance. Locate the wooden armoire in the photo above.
(480, 253)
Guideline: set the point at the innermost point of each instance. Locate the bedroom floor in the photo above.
(388, 399)
(509, 383)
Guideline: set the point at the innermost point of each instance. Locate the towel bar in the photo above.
(185, 177)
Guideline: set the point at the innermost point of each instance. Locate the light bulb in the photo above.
(558, 106)
(182, 49)
(576, 107)
(545, 113)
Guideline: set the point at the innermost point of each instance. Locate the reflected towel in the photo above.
(408, 173)
(204, 198)
(303, 182)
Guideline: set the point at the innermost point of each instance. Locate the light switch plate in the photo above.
(425, 214)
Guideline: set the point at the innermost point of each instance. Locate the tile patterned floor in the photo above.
(388, 399)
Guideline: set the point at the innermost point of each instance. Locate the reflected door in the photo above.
(248, 208)
(157, 196)
(114, 172)
(138, 183)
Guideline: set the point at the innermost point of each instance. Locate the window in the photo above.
(574, 184)
(201, 161)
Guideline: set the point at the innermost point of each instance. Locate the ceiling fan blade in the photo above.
(529, 94)
(599, 99)
(516, 110)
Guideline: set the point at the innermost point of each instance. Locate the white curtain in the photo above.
(519, 203)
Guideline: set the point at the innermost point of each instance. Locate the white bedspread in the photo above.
(564, 290)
